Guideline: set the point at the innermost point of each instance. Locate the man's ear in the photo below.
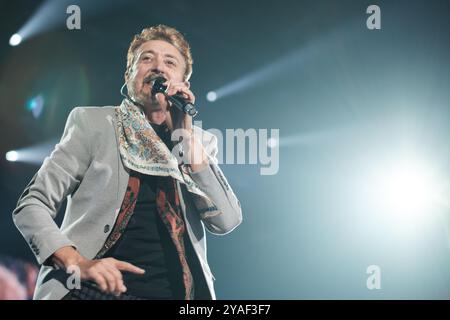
(187, 83)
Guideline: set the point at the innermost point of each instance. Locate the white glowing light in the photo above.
(211, 96)
(15, 39)
(12, 156)
(407, 189)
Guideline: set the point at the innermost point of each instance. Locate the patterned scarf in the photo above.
(143, 151)
(141, 148)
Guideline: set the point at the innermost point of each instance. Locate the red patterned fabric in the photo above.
(125, 213)
(168, 207)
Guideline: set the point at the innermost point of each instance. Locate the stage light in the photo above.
(408, 190)
(211, 96)
(51, 14)
(294, 59)
(15, 39)
(36, 105)
(12, 156)
(33, 154)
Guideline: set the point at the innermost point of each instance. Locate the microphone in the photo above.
(177, 100)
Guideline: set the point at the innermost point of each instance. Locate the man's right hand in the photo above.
(106, 273)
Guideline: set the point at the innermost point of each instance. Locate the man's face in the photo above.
(154, 57)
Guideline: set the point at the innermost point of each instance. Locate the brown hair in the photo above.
(165, 33)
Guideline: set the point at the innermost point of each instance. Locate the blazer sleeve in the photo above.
(58, 177)
(226, 214)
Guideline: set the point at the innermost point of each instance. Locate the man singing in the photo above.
(136, 210)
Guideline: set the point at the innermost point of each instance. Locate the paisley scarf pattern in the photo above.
(142, 150)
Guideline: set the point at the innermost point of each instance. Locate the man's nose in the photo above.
(157, 71)
(158, 67)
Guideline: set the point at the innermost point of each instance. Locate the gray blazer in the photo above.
(86, 168)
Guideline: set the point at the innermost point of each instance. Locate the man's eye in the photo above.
(172, 63)
(146, 58)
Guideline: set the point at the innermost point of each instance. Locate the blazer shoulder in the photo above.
(94, 117)
(95, 112)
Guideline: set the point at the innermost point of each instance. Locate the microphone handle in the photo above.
(180, 102)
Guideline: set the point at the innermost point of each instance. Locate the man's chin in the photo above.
(149, 102)
(152, 106)
(157, 117)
